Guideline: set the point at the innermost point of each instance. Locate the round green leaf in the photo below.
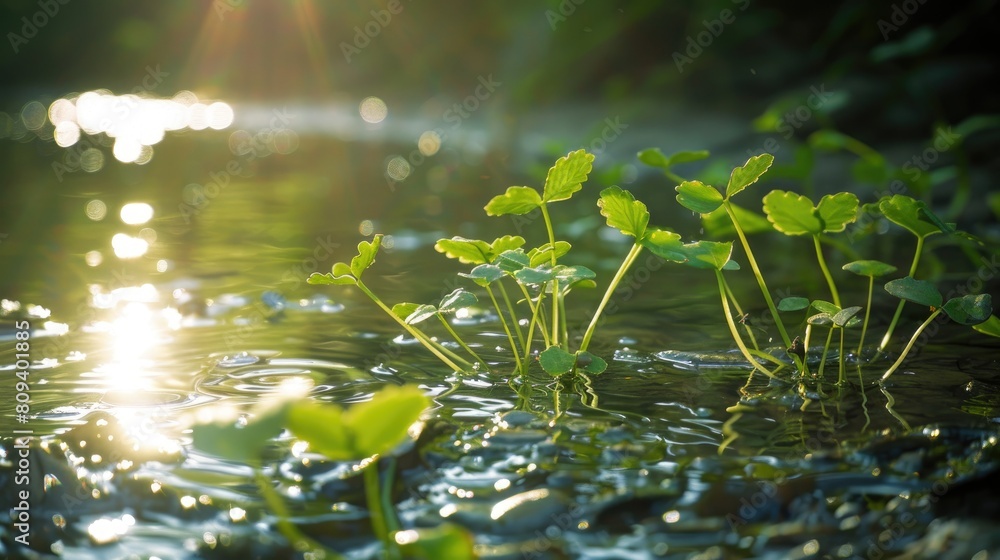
(792, 214)
(517, 200)
(590, 363)
(917, 291)
(793, 303)
(708, 254)
(382, 423)
(748, 174)
(623, 211)
(567, 175)
(698, 197)
(321, 425)
(869, 268)
(969, 309)
(837, 210)
(225, 438)
(825, 307)
(556, 361)
(572, 274)
(911, 214)
(456, 300)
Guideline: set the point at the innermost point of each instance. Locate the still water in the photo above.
(157, 292)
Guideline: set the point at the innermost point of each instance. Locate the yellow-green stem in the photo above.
(629, 259)
(555, 283)
(840, 376)
(868, 312)
(826, 271)
(459, 340)
(826, 348)
(506, 329)
(732, 327)
(902, 302)
(535, 308)
(375, 513)
(739, 311)
(909, 345)
(513, 315)
(296, 538)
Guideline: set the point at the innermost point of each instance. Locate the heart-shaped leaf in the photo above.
(543, 254)
(655, 158)
(382, 423)
(624, 212)
(512, 260)
(517, 200)
(698, 197)
(837, 210)
(843, 316)
(969, 309)
(918, 291)
(467, 251)
(567, 175)
(912, 214)
(793, 304)
(590, 363)
(870, 268)
(748, 174)
(791, 213)
(556, 361)
(665, 244)
(366, 256)
(457, 299)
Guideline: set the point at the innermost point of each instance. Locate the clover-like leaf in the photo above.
(467, 251)
(719, 224)
(365, 257)
(969, 309)
(512, 260)
(837, 210)
(484, 274)
(918, 291)
(991, 327)
(698, 197)
(665, 244)
(793, 303)
(791, 213)
(870, 268)
(543, 253)
(459, 298)
(590, 363)
(421, 313)
(844, 316)
(623, 211)
(913, 215)
(505, 243)
(517, 200)
(655, 158)
(556, 361)
(567, 175)
(328, 279)
(404, 309)
(748, 174)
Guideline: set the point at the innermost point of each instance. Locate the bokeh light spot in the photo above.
(429, 143)
(33, 115)
(96, 210)
(135, 213)
(398, 168)
(220, 115)
(373, 110)
(91, 160)
(366, 227)
(66, 134)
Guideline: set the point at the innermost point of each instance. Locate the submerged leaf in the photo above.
(567, 175)
(869, 268)
(748, 174)
(791, 213)
(969, 309)
(623, 211)
(698, 197)
(517, 200)
(917, 291)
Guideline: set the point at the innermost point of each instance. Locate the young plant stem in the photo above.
(826, 348)
(826, 271)
(868, 312)
(739, 311)
(555, 282)
(513, 315)
(902, 302)
(630, 258)
(760, 279)
(841, 373)
(889, 402)
(459, 340)
(732, 327)
(909, 345)
(375, 513)
(434, 349)
(535, 308)
(506, 329)
(391, 523)
(296, 538)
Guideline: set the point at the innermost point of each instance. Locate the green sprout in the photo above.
(871, 269)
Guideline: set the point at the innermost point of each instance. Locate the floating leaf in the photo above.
(624, 212)
(517, 200)
(837, 210)
(467, 251)
(743, 177)
(421, 313)
(590, 363)
(698, 197)
(843, 317)
(366, 256)
(918, 291)
(655, 158)
(869, 268)
(911, 214)
(484, 274)
(457, 299)
(404, 309)
(567, 175)
(969, 309)
(791, 213)
(512, 260)
(430, 543)
(665, 244)
(991, 327)
(793, 303)
(556, 361)
(543, 254)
